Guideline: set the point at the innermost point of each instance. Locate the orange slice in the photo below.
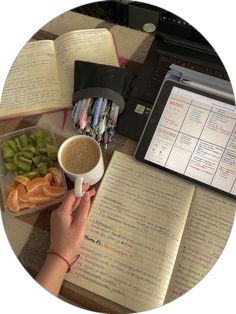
(39, 199)
(48, 177)
(36, 192)
(57, 175)
(35, 183)
(23, 180)
(12, 201)
(53, 191)
(25, 205)
(12, 186)
(21, 193)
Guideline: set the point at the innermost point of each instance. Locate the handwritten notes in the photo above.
(92, 45)
(151, 237)
(134, 233)
(42, 77)
(33, 83)
(207, 230)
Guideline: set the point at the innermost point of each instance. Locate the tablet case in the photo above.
(200, 81)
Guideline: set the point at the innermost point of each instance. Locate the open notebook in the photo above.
(42, 77)
(151, 236)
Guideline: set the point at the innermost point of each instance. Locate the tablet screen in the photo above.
(196, 137)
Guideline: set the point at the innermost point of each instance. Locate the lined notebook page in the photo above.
(92, 45)
(32, 84)
(207, 230)
(135, 228)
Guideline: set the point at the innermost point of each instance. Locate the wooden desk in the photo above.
(29, 235)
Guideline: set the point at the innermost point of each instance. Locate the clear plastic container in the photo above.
(7, 177)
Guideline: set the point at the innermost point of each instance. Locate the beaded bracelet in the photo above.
(65, 260)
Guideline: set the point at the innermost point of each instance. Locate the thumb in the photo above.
(81, 214)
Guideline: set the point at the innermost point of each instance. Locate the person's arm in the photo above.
(52, 274)
(68, 226)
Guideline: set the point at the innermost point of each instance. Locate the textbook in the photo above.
(151, 236)
(41, 78)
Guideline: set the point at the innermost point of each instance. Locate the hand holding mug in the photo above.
(80, 157)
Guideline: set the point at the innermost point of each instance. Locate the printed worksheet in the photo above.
(196, 137)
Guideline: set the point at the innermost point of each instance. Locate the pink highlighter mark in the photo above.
(177, 293)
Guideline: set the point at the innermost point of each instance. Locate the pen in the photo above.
(105, 139)
(74, 108)
(104, 110)
(84, 114)
(114, 114)
(101, 128)
(97, 111)
(209, 89)
(96, 117)
(110, 135)
(92, 106)
(88, 126)
(77, 111)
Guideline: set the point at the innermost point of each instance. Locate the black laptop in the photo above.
(176, 42)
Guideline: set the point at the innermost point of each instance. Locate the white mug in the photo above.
(92, 176)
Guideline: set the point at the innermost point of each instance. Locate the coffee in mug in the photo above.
(80, 157)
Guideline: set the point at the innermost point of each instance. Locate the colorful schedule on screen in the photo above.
(196, 137)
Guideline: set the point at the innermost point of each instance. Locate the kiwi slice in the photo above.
(29, 154)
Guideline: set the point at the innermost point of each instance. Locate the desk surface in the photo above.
(29, 235)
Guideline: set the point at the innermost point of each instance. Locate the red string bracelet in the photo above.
(65, 260)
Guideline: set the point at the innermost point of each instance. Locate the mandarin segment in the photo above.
(12, 186)
(22, 193)
(53, 191)
(12, 201)
(57, 175)
(25, 205)
(39, 199)
(35, 183)
(23, 180)
(36, 192)
(48, 177)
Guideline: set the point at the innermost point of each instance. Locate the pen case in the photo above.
(99, 80)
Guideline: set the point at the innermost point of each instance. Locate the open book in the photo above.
(42, 77)
(151, 236)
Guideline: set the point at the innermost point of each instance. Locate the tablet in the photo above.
(192, 134)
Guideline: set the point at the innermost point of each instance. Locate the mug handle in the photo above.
(78, 186)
